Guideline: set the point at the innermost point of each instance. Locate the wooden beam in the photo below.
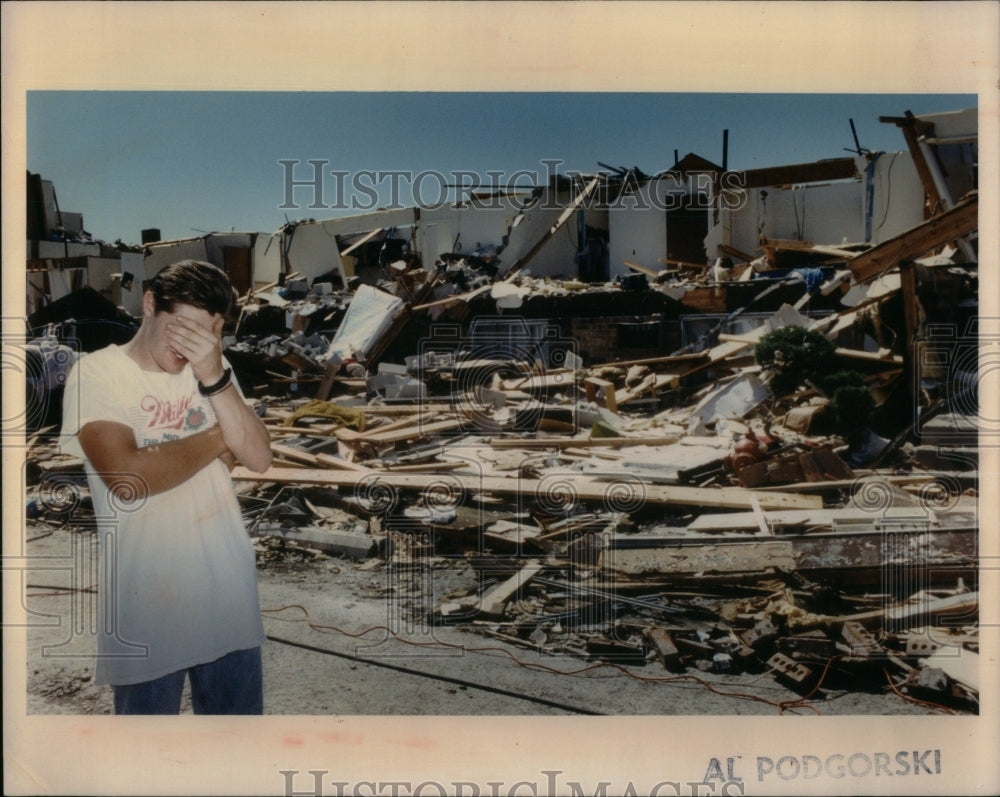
(960, 220)
(641, 269)
(670, 359)
(584, 489)
(494, 601)
(908, 125)
(563, 218)
(911, 311)
(361, 241)
(870, 551)
(732, 251)
(576, 442)
(592, 385)
(820, 171)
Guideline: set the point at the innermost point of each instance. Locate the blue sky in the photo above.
(191, 162)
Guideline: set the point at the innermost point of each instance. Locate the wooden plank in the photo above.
(347, 435)
(422, 467)
(458, 298)
(732, 251)
(641, 269)
(819, 171)
(296, 454)
(937, 231)
(419, 406)
(495, 600)
(908, 126)
(556, 379)
(585, 489)
(869, 356)
(585, 442)
(663, 645)
(684, 264)
(412, 431)
(911, 309)
(797, 519)
(672, 359)
(520, 263)
(330, 461)
(856, 483)
(379, 347)
(871, 552)
(361, 241)
(592, 385)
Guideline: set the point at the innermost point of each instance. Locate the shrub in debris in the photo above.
(794, 355)
(852, 407)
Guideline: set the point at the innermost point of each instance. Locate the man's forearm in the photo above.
(243, 432)
(135, 472)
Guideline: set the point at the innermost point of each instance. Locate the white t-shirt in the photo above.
(178, 580)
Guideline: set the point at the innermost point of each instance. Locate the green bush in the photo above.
(852, 408)
(795, 354)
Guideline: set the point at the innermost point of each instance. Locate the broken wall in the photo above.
(637, 222)
(884, 202)
(893, 205)
(636, 233)
(312, 247)
(465, 229)
(53, 217)
(556, 256)
(160, 255)
(43, 250)
(267, 258)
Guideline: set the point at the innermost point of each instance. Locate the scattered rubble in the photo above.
(758, 489)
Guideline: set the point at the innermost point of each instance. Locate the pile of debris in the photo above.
(771, 495)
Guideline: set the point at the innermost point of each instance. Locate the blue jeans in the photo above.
(230, 685)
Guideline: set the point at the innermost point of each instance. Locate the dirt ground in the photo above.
(348, 637)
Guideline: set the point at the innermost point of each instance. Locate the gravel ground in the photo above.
(344, 638)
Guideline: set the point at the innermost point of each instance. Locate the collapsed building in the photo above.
(719, 420)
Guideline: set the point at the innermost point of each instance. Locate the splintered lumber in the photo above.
(348, 435)
(582, 489)
(291, 452)
(799, 520)
(585, 442)
(883, 356)
(322, 460)
(669, 359)
(854, 484)
(362, 240)
(871, 551)
(937, 231)
(410, 431)
(956, 608)
(664, 647)
(555, 379)
(592, 385)
(494, 601)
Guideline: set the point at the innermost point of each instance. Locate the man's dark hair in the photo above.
(195, 283)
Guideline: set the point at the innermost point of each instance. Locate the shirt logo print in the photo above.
(195, 417)
(165, 414)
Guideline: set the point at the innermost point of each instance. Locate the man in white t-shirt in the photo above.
(159, 422)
